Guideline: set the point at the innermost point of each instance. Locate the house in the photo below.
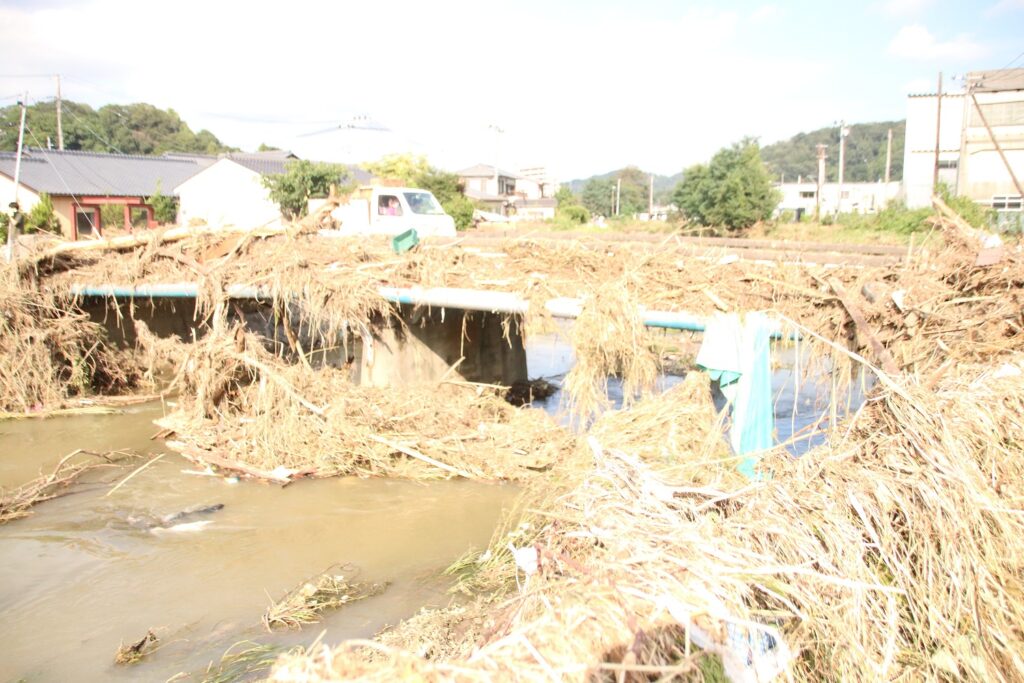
(519, 196)
(802, 197)
(970, 153)
(80, 183)
(229, 190)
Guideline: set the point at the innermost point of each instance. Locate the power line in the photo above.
(63, 182)
(95, 134)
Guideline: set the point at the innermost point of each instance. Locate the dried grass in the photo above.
(135, 652)
(243, 409)
(329, 590)
(50, 353)
(18, 502)
(891, 553)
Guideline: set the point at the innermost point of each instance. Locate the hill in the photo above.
(865, 152)
(126, 128)
(663, 184)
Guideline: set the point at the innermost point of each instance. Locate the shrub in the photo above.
(41, 217)
(574, 213)
(302, 181)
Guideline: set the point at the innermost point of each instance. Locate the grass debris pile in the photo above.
(330, 590)
(889, 553)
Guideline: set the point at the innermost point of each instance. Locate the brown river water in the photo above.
(77, 578)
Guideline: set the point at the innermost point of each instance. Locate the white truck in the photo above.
(381, 210)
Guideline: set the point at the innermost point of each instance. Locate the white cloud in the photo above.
(765, 13)
(900, 8)
(579, 92)
(917, 42)
(1004, 6)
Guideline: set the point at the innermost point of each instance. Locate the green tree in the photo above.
(264, 147)
(303, 180)
(165, 209)
(734, 190)
(41, 217)
(129, 128)
(599, 196)
(565, 197)
(633, 193)
(405, 168)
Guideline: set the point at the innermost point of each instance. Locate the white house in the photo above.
(230, 191)
(968, 159)
(802, 198)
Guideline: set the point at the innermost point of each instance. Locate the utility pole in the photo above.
(888, 157)
(60, 129)
(842, 165)
(650, 200)
(618, 196)
(995, 142)
(821, 181)
(12, 231)
(938, 137)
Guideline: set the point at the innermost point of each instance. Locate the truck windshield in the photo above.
(423, 202)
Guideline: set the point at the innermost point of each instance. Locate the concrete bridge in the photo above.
(435, 328)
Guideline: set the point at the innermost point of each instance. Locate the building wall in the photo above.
(226, 193)
(968, 160)
(858, 197)
(63, 207)
(919, 150)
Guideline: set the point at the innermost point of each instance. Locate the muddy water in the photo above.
(77, 578)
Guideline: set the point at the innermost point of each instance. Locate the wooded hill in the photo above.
(126, 128)
(865, 153)
(663, 184)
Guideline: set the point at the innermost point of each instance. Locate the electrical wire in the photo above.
(74, 198)
(95, 134)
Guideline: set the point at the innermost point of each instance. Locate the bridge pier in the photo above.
(424, 345)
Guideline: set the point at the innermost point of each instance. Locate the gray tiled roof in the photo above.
(98, 174)
(263, 163)
(484, 171)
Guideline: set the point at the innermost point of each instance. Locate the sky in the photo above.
(579, 87)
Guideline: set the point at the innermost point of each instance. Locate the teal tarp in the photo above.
(738, 356)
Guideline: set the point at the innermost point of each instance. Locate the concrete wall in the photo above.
(423, 349)
(858, 197)
(431, 342)
(969, 162)
(226, 193)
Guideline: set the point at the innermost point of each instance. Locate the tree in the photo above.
(264, 147)
(165, 209)
(734, 190)
(599, 196)
(302, 181)
(41, 217)
(129, 128)
(633, 192)
(565, 197)
(405, 168)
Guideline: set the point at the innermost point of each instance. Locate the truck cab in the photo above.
(381, 210)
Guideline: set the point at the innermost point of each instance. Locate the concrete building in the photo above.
(801, 198)
(79, 183)
(969, 158)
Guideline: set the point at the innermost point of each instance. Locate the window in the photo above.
(948, 163)
(388, 205)
(999, 114)
(1007, 203)
(807, 194)
(423, 203)
(506, 185)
